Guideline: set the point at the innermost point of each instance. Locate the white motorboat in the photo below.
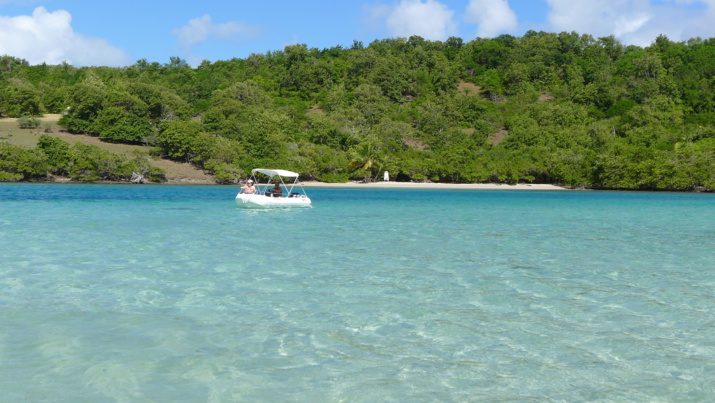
(266, 193)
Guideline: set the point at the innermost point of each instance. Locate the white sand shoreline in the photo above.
(414, 185)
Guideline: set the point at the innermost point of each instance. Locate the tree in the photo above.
(21, 99)
(176, 139)
(124, 117)
(84, 104)
(390, 75)
(58, 154)
(17, 163)
(365, 158)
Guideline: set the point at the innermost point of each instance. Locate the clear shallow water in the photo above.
(171, 293)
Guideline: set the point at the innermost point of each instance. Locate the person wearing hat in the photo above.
(248, 188)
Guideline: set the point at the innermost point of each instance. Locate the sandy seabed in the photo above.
(416, 185)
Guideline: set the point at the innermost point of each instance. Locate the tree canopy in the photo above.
(560, 108)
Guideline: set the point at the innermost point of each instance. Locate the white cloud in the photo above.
(197, 30)
(202, 29)
(636, 22)
(493, 17)
(600, 17)
(48, 37)
(683, 23)
(431, 19)
(628, 25)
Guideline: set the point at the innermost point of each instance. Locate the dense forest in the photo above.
(563, 108)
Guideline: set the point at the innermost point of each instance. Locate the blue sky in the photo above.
(118, 33)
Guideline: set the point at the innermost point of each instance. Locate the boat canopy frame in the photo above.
(272, 173)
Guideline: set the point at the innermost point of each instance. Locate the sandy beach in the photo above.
(414, 185)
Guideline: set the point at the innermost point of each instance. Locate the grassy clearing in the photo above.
(175, 172)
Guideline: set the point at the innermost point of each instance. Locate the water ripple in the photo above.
(171, 293)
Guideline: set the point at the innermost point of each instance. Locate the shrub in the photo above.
(156, 174)
(28, 122)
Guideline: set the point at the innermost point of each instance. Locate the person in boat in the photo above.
(277, 191)
(248, 188)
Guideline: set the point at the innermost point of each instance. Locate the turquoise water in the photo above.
(170, 293)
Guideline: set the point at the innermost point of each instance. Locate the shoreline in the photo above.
(315, 184)
(373, 185)
(416, 185)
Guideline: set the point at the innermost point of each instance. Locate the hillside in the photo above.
(547, 108)
(176, 172)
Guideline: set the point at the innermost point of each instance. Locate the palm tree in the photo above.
(365, 156)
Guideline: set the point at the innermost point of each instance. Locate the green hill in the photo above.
(557, 108)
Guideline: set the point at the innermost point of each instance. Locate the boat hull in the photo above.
(256, 201)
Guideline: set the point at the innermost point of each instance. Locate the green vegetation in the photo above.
(561, 108)
(79, 162)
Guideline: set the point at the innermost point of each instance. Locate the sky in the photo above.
(119, 33)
